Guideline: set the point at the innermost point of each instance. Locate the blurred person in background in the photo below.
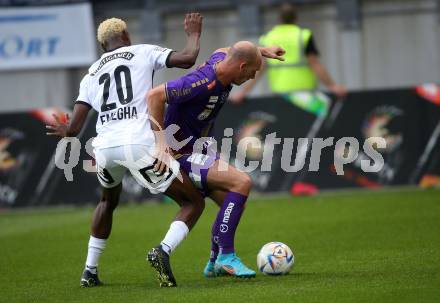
(300, 70)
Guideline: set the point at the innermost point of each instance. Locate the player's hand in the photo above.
(193, 24)
(162, 154)
(59, 126)
(339, 90)
(162, 164)
(273, 52)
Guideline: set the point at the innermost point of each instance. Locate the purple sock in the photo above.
(227, 221)
(214, 241)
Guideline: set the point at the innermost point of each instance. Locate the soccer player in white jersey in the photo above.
(115, 86)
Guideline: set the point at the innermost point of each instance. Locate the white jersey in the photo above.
(116, 87)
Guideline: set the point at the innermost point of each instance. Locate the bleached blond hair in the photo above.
(109, 29)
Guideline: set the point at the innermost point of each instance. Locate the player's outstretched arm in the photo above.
(63, 127)
(186, 58)
(272, 52)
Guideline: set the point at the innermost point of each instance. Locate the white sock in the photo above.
(96, 247)
(177, 232)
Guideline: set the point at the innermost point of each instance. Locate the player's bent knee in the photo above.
(247, 182)
(243, 184)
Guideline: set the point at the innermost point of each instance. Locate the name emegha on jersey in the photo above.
(122, 113)
(123, 55)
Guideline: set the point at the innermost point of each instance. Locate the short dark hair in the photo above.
(287, 13)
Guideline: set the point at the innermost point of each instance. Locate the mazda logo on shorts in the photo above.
(223, 228)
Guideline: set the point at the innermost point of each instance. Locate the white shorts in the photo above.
(113, 162)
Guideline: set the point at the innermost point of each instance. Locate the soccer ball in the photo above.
(275, 258)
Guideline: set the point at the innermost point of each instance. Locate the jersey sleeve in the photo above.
(187, 87)
(217, 57)
(157, 55)
(83, 96)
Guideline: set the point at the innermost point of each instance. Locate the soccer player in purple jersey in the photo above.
(125, 141)
(194, 102)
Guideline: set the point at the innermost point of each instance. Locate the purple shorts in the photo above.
(196, 166)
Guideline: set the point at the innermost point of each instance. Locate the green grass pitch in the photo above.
(349, 247)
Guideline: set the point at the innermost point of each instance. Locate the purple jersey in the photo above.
(194, 102)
